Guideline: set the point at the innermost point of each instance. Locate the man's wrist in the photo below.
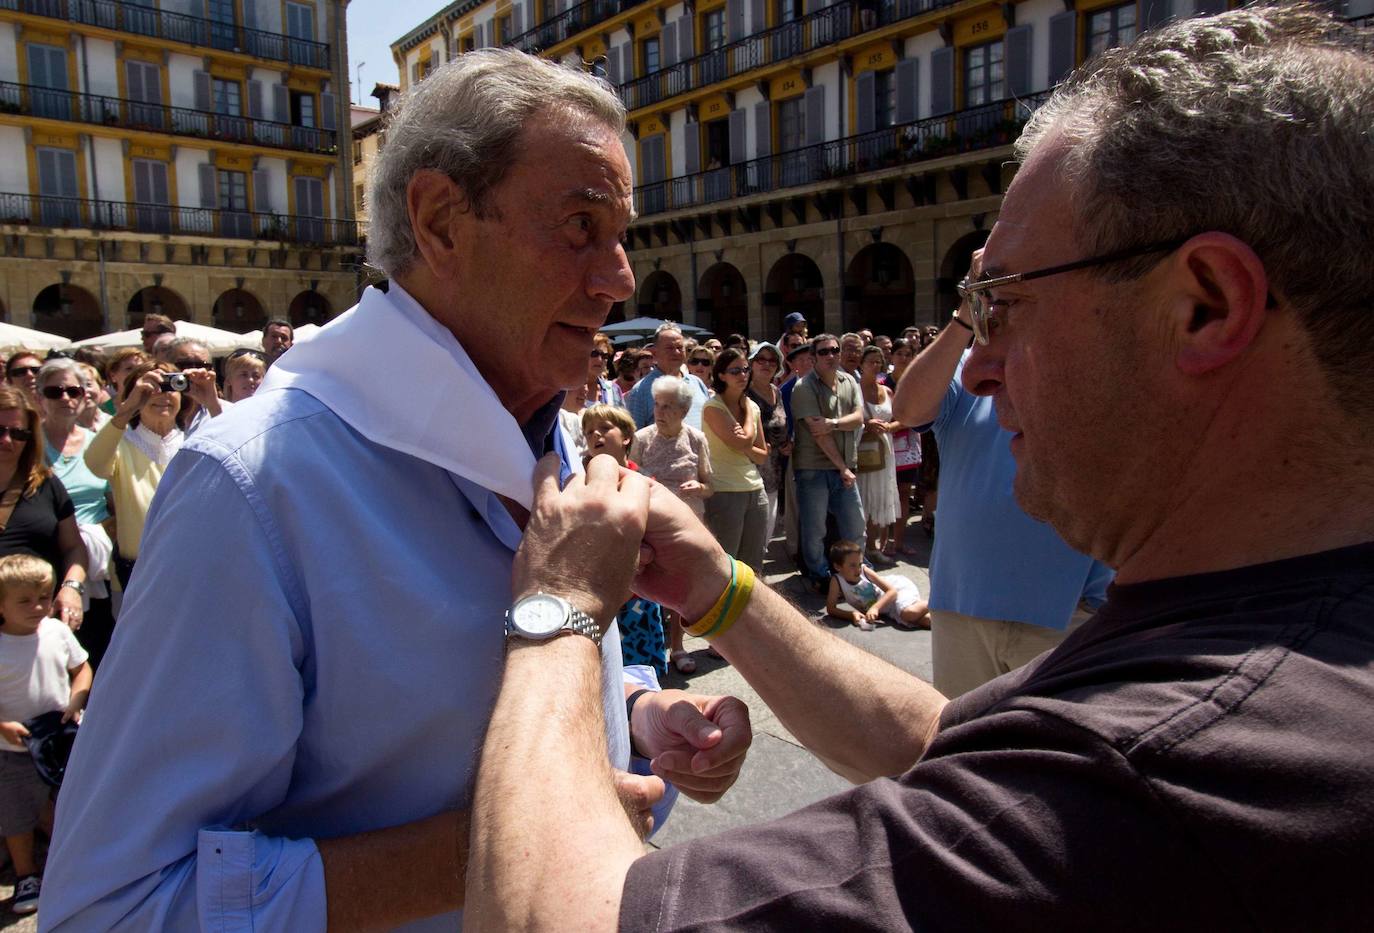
(707, 593)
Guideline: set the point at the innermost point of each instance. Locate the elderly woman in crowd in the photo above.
(117, 369)
(201, 400)
(699, 363)
(243, 372)
(64, 393)
(737, 512)
(600, 389)
(764, 364)
(132, 452)
(36, 514)
(678, 456)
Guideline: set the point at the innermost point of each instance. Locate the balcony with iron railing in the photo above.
(969, 130)
(57, 104)
(178, 27)
(773, 46)
(85, 213)
(577, 18)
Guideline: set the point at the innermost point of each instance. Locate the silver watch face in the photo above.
(539, 616)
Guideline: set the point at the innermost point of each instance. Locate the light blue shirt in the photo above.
(640, 400)
(86, 489)
(991, 559)
(310, 648)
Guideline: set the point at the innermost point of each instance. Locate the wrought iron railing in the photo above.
(178, 27)
(968, 130)
(57, 104)
(770, 46)
(569, 23)
(86, 213)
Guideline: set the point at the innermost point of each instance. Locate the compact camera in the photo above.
(175, 382)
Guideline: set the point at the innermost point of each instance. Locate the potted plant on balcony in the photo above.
(273, 228)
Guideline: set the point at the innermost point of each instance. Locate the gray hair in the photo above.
(672, 389)
(668, 327)
(1254, 122)
(181, 343)
(59, 365)
(464, 120)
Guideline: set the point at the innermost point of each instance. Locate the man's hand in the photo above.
(682, 565)
(13, 732)
(582, 542)
(639, 794)
(819, 426)
(696, 742)
(847, 477)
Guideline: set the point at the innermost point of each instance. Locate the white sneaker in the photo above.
(26, 894)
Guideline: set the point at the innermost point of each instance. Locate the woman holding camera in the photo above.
(132, 452)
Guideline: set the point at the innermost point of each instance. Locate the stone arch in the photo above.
(309, 307)
(68, 311)
(794, 283)
(155, 299)
(238, 310)
(723, 301)
(879, 290)
(660, 297)
(953, 268)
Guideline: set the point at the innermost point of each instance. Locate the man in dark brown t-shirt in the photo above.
(1174, 324)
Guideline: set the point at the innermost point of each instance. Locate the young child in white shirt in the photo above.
(42, 669)
(894, 597)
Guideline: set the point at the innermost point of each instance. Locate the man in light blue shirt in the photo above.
(285, 729)
(668, 354)
(1004, 588)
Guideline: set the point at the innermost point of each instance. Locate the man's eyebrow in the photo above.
(598, 198)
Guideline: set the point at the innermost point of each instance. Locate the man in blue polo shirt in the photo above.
(1004, 587)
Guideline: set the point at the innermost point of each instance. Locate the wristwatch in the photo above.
(75, 585)
(542, 616)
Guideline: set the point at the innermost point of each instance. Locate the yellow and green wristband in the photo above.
(729, 607)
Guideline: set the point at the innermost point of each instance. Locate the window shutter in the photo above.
(327, 120)
(941, 81)
(481, 31)
(255, 99)
(517, 21)
(613, 64)
(67, 163)
(1153, 13)
(908, 77)
(763, 129)
(281, 103)
(262, 191)
(201, 80)
(652, 151)
(250, 14)
(1018, 51)
(757, 16)
(685, 48)
(47, 171)
(815, 115)
(865, 87)
(734, 19)
(133, 75)
(1063, 39)
(302, 197)
(207, 185)
(158, 173)
(691, 143)
(143, 182)
(667, 45)
(739, 135)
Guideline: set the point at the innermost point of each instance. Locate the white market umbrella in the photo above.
(14, 337)
(218, 342)
(304, 332)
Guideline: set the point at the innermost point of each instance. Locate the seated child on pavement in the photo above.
(893, 597)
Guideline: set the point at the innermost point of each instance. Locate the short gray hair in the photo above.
(668, 327)
(464, 120)
(59, 365)
(672, 389)
(1254, 122)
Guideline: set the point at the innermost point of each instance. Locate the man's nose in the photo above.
(612, 278)
(983, 370)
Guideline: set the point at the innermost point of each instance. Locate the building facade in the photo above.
(842, 159)
(178, 156)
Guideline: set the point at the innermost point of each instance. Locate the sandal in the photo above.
(684, 663)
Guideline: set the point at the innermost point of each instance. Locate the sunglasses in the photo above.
(736, 371)
(192, 364)
(828, 351)
(23, 371)
(598, 355)
(244, 351)
(56, 392)
(700, 361)
(20, 435)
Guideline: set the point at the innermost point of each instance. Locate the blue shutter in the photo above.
(739, 135)
(691, 142)
(908, 77)
(201, 82)
(685, 48)
(1018, 59)
(865, 88)
(763, 129)
(1063, 45)
(207, 185)
(667, 45)
(941, 81)
(815, 115)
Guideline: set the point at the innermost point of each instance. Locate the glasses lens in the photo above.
(828, 351)
(737, 370)
(978, 308)
(597, 354)
(23, 371)
(56, 392)
(699, 363)
(192, 364)
(19, 435)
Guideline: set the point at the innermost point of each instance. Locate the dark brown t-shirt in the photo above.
(1200, 755)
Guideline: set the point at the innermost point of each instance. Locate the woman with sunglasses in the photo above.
(764, 364)
(64, 394)
(36, 514)
(737, 512)
(600, 388)
(132, 452)
(699, 363)
(22, 372)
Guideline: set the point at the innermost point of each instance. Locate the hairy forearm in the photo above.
(923, 385)
(382, 879)
(536, 867)
(776, 649)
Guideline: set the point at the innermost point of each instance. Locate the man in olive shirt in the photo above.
(828, 405)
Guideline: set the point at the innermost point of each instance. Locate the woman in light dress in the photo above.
(877, 487)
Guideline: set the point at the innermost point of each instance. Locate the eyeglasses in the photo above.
(767, 360)
(988, 316)
(23, 371)
(598, 355)
(736, 371)
(56, 392)
(192, 364)
(20, 435)
(700, 361)
(829, 351)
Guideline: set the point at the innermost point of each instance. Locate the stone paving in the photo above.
(779, 775)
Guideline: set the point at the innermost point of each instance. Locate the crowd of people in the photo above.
(85, 438)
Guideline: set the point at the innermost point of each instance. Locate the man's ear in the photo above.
(438, 209)
(1221, 297)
